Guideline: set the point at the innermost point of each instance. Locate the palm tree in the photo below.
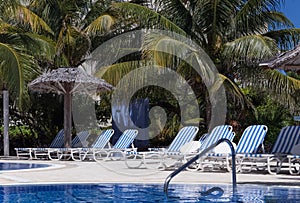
(237, 35)
(19, 44)
(79, 26)
(233, 32)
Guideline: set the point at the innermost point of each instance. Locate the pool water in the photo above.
(146, 193)
(19, 166)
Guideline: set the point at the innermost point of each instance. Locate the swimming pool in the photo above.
(8, 166)
(146, 193)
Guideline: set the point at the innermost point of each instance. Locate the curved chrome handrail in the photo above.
(174, 173)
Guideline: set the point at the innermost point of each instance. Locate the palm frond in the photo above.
(177, 11)
(169, 50)
(258, 16)
(276, 20)
(114, 73)
(250, 49)
(100, 25)
(76, 44)
(286, 38)
(15, 67)
(280, 83)
(214, 17)
(38, 45)
(282, 88)
(236, 93)
(36, 23)
(162, 47)
(6, 27)
(142, 16)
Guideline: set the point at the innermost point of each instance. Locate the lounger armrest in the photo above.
(156, 149)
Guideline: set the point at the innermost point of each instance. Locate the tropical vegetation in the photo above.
(40, 35)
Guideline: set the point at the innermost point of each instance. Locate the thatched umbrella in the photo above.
(289, 60)
(68, 81)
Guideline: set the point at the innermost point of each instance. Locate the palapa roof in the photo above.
(77, 80)
(289, 60)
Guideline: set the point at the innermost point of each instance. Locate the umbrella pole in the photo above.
(67, 119)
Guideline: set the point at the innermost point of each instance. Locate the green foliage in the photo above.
(168, 133)
(15, 131)
(232, 32)
(103, 108)
(275, 116)
(20, 136)
(268, 112)
(293, 74)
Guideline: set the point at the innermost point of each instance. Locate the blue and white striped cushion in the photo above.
(216, 155)
(293, 156)
(103, 139)
(218, 132)
(185, 135)
(126, 139)
(287, 138)
(80, 137)
(251, 139)
(58, 140)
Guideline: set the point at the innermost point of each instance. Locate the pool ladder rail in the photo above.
(195, 158)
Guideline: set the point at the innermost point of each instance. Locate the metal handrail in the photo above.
(174, 173)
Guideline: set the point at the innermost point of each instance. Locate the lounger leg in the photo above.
(274, 165)
(294, 166)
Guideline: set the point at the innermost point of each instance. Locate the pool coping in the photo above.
(139, 183)
(70, 172)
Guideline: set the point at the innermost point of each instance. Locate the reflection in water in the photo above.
(214, 192)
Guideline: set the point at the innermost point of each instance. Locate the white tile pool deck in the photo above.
(117, 172)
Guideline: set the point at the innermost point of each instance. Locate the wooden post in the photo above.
(6, 122)
(67, 118)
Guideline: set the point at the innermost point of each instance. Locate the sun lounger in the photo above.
(119, 149)
(286, 140)
(158, 157)
(80, 154)
(219, 132)
(57, 153)
(250, 143)
(294, 160)
(286, 152)
(58, 141)
(65, 153)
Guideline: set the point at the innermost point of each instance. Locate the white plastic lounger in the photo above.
(101, 142)
(65, 153)
(294, 160)
(58, 141)
(218, 132)
(250, 142)
(158, 158)
(119, 149)
(283, 146)
(293, 151)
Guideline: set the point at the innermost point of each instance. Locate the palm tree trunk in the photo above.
(208, 111)
(6, 122)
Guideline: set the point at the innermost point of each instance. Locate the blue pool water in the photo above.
(19, 166)
(146, 193)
